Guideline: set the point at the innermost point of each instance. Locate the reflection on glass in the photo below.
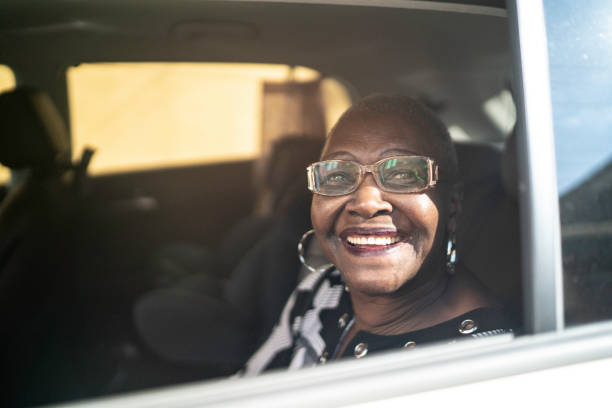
(580, 52)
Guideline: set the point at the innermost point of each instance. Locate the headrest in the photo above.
(289, 157)
(477, 162)
(32, 131)
(284, 173)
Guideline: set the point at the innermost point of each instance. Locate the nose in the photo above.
(368, 200)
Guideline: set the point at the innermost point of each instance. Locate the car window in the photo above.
(580, 54)
(111, 104)
(147, 115)
(143, 115)
(7, 82)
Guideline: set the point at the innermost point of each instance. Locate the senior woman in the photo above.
(384, 210)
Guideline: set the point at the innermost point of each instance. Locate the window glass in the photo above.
(580, 52)
(7, 82)
(144, 115)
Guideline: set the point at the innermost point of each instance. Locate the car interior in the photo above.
(134, 278)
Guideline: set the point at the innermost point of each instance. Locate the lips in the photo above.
(363, 241)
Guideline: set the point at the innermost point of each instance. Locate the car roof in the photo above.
(453, 56)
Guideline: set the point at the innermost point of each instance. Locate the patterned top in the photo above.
(318, 314)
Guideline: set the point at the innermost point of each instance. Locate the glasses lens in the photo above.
(404, 174)
(335, 177)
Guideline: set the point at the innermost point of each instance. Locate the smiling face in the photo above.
(379, 240)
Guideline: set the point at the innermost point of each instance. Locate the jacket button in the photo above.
(361, 350)
(409, 345)
(468, 326)
(323, 358)
(343, 321)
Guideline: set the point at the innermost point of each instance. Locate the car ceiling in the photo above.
(452, 59)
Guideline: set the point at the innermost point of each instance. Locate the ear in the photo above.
(454, 206)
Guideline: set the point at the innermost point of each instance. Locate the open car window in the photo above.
(176, 170)
(185, 109)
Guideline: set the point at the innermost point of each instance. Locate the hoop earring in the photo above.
(451, 255)
(300, 248)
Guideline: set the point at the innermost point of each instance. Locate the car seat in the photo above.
(488, 229)
(261, 251)
(35, 248)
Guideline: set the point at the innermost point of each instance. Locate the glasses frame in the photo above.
(364, 169)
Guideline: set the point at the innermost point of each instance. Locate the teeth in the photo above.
(370, 240)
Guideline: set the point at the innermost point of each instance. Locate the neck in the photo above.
(411, 308)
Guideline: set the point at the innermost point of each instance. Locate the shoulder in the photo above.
(480, 322)
(496, 320)
(316, 285)
(299, 323)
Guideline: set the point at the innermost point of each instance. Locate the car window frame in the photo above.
(538, 195)
(389, 375)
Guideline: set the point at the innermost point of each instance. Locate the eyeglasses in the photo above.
(399, 174)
